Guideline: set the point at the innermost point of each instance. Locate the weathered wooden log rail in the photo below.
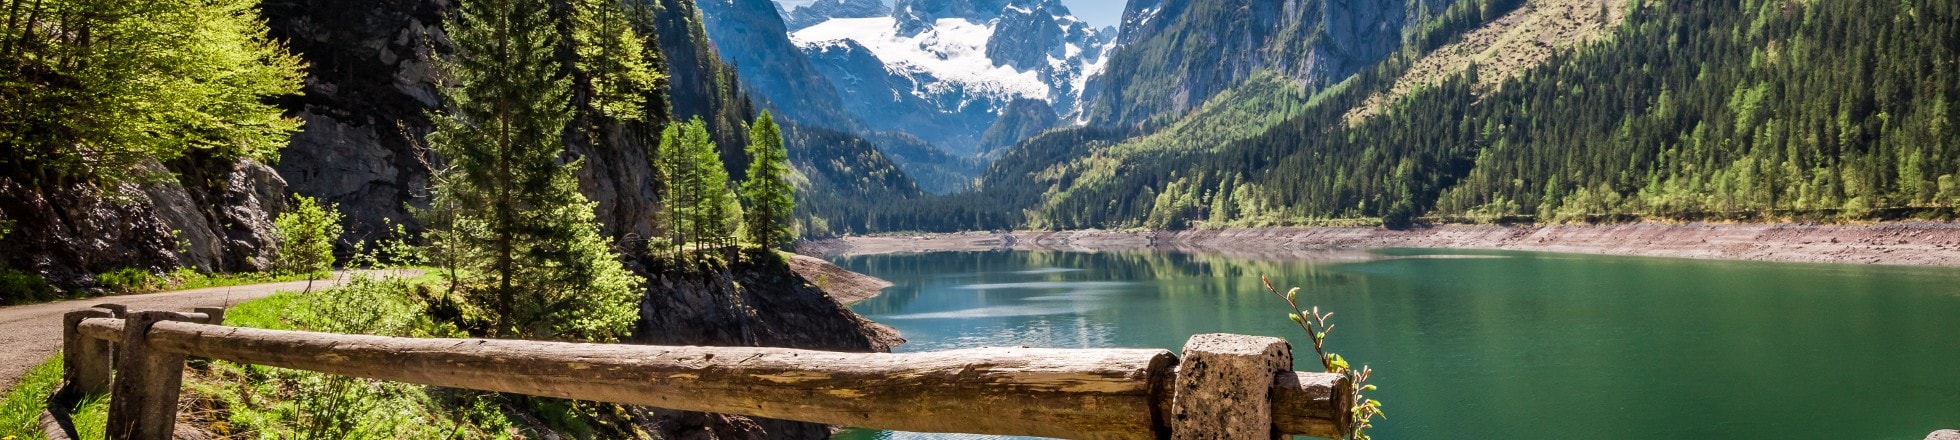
(1224, 387)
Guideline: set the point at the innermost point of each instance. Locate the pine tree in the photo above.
(527, 243)
(701, 211)
(670, 161)
(766, 192)
(613, 59)
(717, 214)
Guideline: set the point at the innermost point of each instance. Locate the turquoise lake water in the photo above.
(1498, 345)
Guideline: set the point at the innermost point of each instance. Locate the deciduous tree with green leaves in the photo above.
(507, 208)
(89, 89)
(306, 234)
(767, 194)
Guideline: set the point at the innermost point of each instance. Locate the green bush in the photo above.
(129, 280)
(306, 234)
(18, 287)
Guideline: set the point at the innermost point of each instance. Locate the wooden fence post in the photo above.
(144, 403)
(1224, 387)
(85, 361)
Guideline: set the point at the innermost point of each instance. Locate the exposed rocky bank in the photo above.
(755, 301)
(1902, 243)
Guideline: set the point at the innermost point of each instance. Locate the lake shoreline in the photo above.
(841, 284)
(1914, 243)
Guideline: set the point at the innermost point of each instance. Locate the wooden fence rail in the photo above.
(1224, 387)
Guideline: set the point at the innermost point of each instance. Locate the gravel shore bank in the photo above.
(1900, 243)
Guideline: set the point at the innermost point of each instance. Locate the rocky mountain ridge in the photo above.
(1177, 54)
(944, 70)
(821, 10)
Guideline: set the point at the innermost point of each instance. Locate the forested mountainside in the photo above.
(1177, 54)
(1658, 110)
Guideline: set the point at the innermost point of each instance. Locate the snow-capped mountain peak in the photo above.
(799, 14)
(960, 56)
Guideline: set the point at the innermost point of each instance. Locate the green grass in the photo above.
(230, 399)
(234, 400)
(20, 415)
(20, 288)
(134, 281)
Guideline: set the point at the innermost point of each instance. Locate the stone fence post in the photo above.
(144, 400)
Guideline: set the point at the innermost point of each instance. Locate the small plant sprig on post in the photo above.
(1316, 325)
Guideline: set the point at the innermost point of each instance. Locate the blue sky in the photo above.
(1098, 13)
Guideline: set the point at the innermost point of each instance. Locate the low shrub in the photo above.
(129, 280)
(18, 287)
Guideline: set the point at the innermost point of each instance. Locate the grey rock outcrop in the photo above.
(756, 302)
(370, 85)
(369, 92)
(228, 228)
(915, 16)
(213, 216)
(1021, 119)
(821, 10)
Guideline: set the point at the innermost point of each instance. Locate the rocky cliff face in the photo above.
(823, 10)
(211, 216)
(755, 301)
(917, 16)
(1021, 119)
(1176, 54)
(369, 88)
(749, 35)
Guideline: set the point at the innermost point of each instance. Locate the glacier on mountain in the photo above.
(965, 60)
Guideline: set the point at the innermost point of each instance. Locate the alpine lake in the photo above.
(1493, 344)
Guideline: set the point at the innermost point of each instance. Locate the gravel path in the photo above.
(30, 334)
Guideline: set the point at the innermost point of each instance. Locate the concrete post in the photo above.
(1224, 387)
(115, 310)
(216, 314)
(85, 361)
(144, 400)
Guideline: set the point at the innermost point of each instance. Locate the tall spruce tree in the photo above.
(670, 163)
(613, 64)
(701, 210)
(527, 242)
(768, 196)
